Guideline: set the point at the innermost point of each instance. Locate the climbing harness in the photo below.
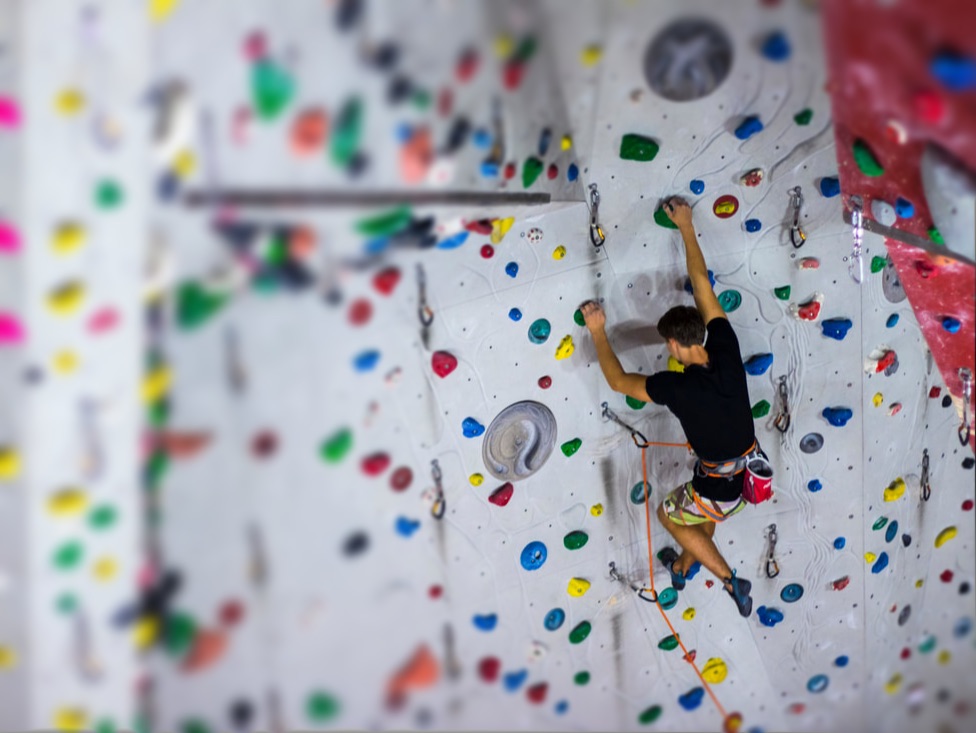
(424, 312)
(858, 231)
(966, 375)
(797, 236)
(782, 420)
(926, 487)
(439, 505)
(757, 486)
(597, 237)
(772, 567)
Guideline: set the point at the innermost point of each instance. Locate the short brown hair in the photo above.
(684, 324)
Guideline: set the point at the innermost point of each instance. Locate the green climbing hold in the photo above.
(106, 725)
(864, 157)
(348, 129)
(580, 632)
(158, 413)
(571, 446)
(879, 523)
(66, 603)
(928, 645)
(179, 633)
(525, 50)
(634, 404)
(803, 117)
(877, 264)
(108, 195)
(783, 293)
(578, 318)
(760, 409)
(335, 448)
(729, 300)
(194, 725)
(195, 304)
(140, 723)
(321, 707)
(575, 540)
(936, 236)
(581, 678)
(386, 224)
(102, 517)
(661, 218)
(156, 468)
(272, 88)
(277, 252)
(668, 643)
(531, 170)
(420, 99)
(638, 147)
(68, 555)
(649, 715)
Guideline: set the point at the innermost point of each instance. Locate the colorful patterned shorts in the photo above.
(685, 506)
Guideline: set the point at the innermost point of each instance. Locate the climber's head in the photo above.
(683, 329)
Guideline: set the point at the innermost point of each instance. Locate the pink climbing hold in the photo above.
(502, 495)
(445, 102)
(102, 320)
(360, 311)
(11, 332)
(375, 464)
(9, 113)
(255, 46)
(9, 239)
(385, 281)
(809, 263)
(443, 363)
(537, 693)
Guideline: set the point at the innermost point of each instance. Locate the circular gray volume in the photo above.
(519, 440)
(811, 442)
(891, 285)
(688, 59)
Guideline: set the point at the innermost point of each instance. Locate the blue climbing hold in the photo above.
(842, 660)
(376, 246)
(533, 555)
(814, 485)
(880, 564)
(404, 132)
(892, 530)
(168, 186)
(481, 138)
(838, 416)
(753, 225)
(791, 593)
(697, 186)
(758, 364)
(366, 361)
(544, 138)
(514, 680)
(836, 328)
(955, 71)
(471, 427)
(692, 699)
(776, 47)
(554, 619)
(638, 494)
(561, 707)
(406, 527)
(693, 570)
(749, 127)
(489, 169)
(818, 683)
(839, 543)
(829, 186)
(668, 598)
(711, 280)
(515, 314)
(963, 626)
(904, 208)
(892, 320)
(486, 622)
(769, 616)
(572, 173)
(511, 269)
(951, 324)
(454, 241)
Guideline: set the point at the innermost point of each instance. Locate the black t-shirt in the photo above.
(712, 404)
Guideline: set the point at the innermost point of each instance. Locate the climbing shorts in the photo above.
(685, 506)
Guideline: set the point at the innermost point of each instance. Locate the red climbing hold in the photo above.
(537, 693)
(809, 311)
(930, 106)
(481, 226)
(467, 65)
(887, 359)
(841, 583)
(488, 668)
(386, 280)
(435, 591)
(709, 583)
(443, 363)
(401, 478)
(946, 576)
(375, 464)
(690, 656)
(906, 653)
(553, 171)
(935, 392)
(360, 311)
(797, 708)
(445, 102)
(924, 268)
(545, 382)
(208, 647)
(509, 171)
(231, 613)
(967, 506)
(502, 495)
(487, 251)
(513, 74)
(264, 444)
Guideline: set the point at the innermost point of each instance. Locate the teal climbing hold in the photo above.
(729, 300)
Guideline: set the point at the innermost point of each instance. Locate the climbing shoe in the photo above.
(740, 594)
(667, 556)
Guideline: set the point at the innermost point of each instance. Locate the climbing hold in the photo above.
(577, 587)
(808, 263)
(692, 699)
(349, 124)
(895, 490)
(375, 463)
(944, 536)
(776, 47)
(760, 409)
(401, 478)
(272, 88)
(870, 557)
(836, 328)
(9, 238)
(68, 555)
(487, 251)
(596, 510)
(502, 495)
(575, 540)
(554, 619)
(386, 280)
(565, 348)
(808, 311)
(511, 269)
(156, 383)
(580, 632)
(803, 117)
(486, 622)
(590, 55)
(545, 382)
(68, 237)
(11, 331)
(841, 583)
(633, 403)
(877, 265)
(649, 715)
(571, 446)
(67, 298)
(711, 282)
(814, 485)
(533, 555)
(366, 360)
(637, 147)
(471, 428)
(880, 564)
(456, 240)
(879, 523)
(360, 311)
(962, 628)
(715, 670)
(818, 683)
(791, 593)
(928, 645)
(515, 314)
(537, 693)
(837, 416)
(883, 212)
(500, 227)
(638, 494)
(531, 170)
(309, 130)
(950, 324)
(195, 305)
(108, 194)
(954, 71)
(758, 364)
(566, 142)
(476, 479)
(443, 363)
(829, 186)
(559, 253)
(748, 127)
(668, 598)
(539, 331)
(866, 160)
(725, 206)
(892, 320)
(697, 186)
(9, 113)
(688, 614)
(769, 616)
(581, 678)
(753, 225)
(811, 442)
(839, 543)
(752, 178)
(661, 218)
(904, 208)
(572, 173)
(513, 680)
(782, 293)
(668, 643)
(892, 531)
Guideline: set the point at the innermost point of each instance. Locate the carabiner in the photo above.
(772, 567)
(649, 599)
(597, 237)
(926, 487)
(966, 375)
(782, 420)
(797, 235)
(424, 311)
(858, 233)
(440, 504)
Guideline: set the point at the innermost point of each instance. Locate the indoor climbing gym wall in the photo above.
(302, 426)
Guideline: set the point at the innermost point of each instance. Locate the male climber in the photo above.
(710, 400)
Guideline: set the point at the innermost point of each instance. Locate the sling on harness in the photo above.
(758, 484)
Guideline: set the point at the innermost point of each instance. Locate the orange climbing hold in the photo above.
(208, 648)
(182, 445)
(416, 156)
(420, 671)
(308, 132)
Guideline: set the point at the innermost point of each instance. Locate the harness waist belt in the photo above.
(730, 468)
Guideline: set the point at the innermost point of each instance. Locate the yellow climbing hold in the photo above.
(504, 45)
(144, 632)
(70, 719)
(895, 489)
(870, 557)
(68, 238)
(69, 102)
(68, 503)
(160, 10)
(8, 657)
(64, 362)
(674, 365)
(185, 164)
(578, 586)
(565, 348)
(715, 670)
(105, 569)
(596, 510)
(500, 227)
(156, 384)
(919, 583)
(892, 685)
(476, 479)
(944, 536)
(559, 252)
(878, 399)
(688, 614)
(9, 463)
(944, 656)
(66, 299)
(590, 56)
(726, 207)
(566, 143)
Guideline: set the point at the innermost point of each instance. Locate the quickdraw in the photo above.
(440, 504)
(926, 487)
(966, 375)
(609, 414)
(772, 567)
(782, 420)
(797, 235)
(424, 311)
(858, 233)
(597, 237)
(636, 587)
